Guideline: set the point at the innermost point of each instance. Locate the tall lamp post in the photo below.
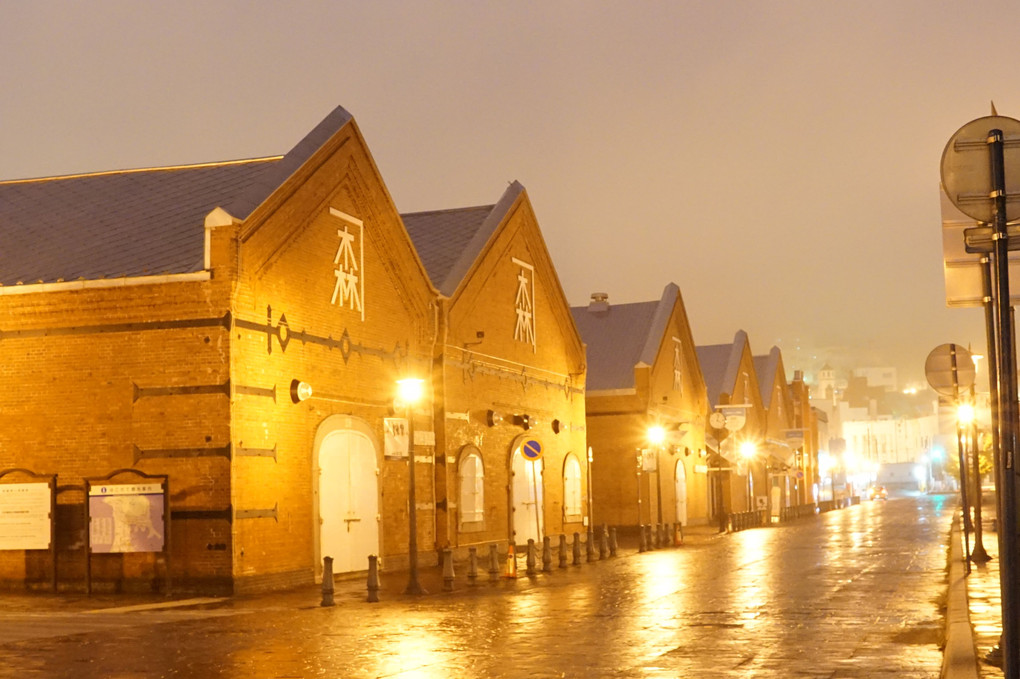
(965, 413)
(409, 393)
(657, 436)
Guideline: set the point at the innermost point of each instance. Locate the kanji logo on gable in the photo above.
(349, 261)
(524, 331)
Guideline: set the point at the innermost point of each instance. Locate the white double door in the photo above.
(348, 500)
(527, 499)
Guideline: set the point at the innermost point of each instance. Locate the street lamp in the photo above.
(748, 450)
(968, 420)
(409, 392)
(657, 436)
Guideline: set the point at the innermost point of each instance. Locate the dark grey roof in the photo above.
(131, 223)
(615, 338)
(765, 368)
(720, 364)
(134, 222)
(441, 236)
(620, 336)
(450, 241)
(243, 204)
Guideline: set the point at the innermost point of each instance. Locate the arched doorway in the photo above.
(680, 479)
(348, 507)
(526, 498)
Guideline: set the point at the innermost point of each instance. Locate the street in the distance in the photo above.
(854, 592)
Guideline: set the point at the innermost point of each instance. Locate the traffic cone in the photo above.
(511, 563)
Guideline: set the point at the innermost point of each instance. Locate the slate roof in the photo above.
(107, 225)
(450, 241)
(621, 336)
(134, 222)
(720, 364)
(441, 236)
(765, 367)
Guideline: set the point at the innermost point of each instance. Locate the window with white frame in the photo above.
(572, 507)
(472, 489)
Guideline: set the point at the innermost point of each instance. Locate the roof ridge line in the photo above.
(104, 173)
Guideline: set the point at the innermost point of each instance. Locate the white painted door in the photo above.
(680, 479)
(527, 498)
(348, 500)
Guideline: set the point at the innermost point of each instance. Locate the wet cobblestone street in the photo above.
(851, 593)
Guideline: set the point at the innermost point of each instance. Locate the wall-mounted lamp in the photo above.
(523, 421)
(557, 426)
(492, 418)
(300, 391)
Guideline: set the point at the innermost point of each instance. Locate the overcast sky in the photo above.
(779, 161)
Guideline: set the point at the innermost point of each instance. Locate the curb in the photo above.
(959, 660)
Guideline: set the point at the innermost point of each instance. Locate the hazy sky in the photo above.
(779, 160)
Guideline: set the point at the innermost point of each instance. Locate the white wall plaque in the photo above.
(25, 516)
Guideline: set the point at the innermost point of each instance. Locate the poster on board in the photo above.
(25, 515)
(126, 517)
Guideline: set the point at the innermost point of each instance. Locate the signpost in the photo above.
(975, 180)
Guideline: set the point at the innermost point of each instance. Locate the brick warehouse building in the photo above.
(132, 337)
(161, 320)
(509, 369)
(643, 373)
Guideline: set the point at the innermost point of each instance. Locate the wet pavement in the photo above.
(855, 592)
(983, 593)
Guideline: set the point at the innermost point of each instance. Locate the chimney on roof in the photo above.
(599, 302)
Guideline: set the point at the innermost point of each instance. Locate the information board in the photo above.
(25, 515)
(126, 517)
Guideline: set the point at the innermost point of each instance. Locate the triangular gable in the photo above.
(441, 238)
(766, 367)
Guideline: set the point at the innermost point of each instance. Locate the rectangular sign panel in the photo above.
(963, 269)
(126, 518)
(25, 515)
(395, 438)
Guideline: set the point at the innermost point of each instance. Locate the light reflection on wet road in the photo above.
(852, 593)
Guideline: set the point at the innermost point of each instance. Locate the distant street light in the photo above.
(747, 451)
(409, 392)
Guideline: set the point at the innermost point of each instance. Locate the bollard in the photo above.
(493, 562)
(546, 555)
(642, 545)
(531, 558)
(373, 578)
(612, 541)
(563, 550)
(576, 549)
(678, 535)
(327, 581)
(648, 537)
(511, 562)
(604, 543)
(663, 541)
(590, 547)
(472, 565)
(448, 574)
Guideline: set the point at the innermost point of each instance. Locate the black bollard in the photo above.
(590, 547)
(642, 545)
(563, 550)
(448, 573)
(576, 549)
(327, 581)
(648, 537)
(612, 541)
(373, 578)
(493, 562)
(603, 543)
(531, 562)
(546, 555)
(472, 565)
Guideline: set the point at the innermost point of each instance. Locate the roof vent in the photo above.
(599, 302)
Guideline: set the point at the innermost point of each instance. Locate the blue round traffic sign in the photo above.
(532, 450)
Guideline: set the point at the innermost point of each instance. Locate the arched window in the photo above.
(572, 496)
(472, 489)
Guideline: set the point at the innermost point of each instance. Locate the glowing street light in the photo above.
(747, 451)
(409, 392)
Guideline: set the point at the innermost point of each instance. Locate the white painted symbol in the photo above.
(349, 288)
(524, 331)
